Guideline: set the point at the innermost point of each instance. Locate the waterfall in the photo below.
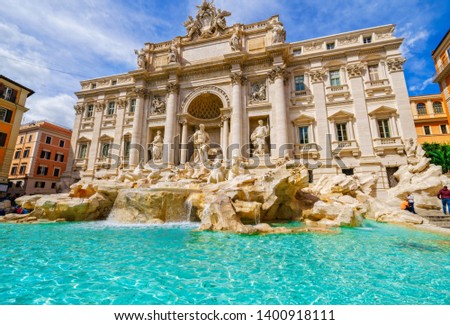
(188, 204)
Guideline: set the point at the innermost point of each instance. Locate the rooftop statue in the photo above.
(208, 22)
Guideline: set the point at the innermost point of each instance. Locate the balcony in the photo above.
(348, 146)
(103, 162)
(80, 163)
(302, 96)
(430, 117)
(306, 150)
(383, 144)
(109, 120)
(333, 92)
(442, 70)
(378, 86)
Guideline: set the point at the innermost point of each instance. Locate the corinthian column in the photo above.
(279, 134)
(137, 128)
(169, 128)
(236, 114)
(184, 144)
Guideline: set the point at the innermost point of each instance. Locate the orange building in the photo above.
(40, 158)
(441, 57)
(430, 118)
(12, 106)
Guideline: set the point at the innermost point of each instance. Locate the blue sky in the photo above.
(50, 45)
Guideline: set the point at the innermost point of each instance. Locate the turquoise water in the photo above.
(100, 263)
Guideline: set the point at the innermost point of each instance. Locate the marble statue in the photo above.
(201, 145)
(173, 54)
(192, 27)
(219, 21)
(159, 106)
(208, 22)
(157, 147)
(278, 32)
(141, 58)
(258, 138)
(235, 41)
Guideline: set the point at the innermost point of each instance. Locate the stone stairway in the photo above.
(442, 221)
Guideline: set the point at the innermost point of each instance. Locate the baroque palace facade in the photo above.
(336, 104)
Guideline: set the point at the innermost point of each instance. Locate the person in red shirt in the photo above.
(444, 196)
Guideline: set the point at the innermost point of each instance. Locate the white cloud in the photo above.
(58, 109)
(421, 86)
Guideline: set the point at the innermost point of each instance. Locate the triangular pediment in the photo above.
(383, 110)
(341, 115)
(83, 139)
(303, 118)
(105, 137)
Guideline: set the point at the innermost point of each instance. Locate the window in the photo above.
(297, 52)
(19, 184)
(26, 153)
(373, 72)
(299, 82)
(13, 170)
(45, 154)
(21, 140)
(421, 110)
(82, 151)
(17, 154)
(437, 108)
(22, 169)
(59, 157)
(126, 148)
(114, 82)
(3, 139)
(53, 185)
(93, 86)
(111, 109)
(303, 133)
(48, 140)
(341, 131)
(30, 138)
(90, 111)
(348, 171)
(105, 150)
(5, 115)
(42, 170)
(335, 79)
(330, 46)
(310, 176)
(132, 105)
(383, 128)
(39, 184)
(9, 94)
(61, 143)
(444, 129)
(56, 172)
(367, 39)
(426, 130)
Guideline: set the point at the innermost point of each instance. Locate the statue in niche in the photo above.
(141, 58)
(159, 106)
(157, 147)
(258, 138)
(201, 144)
(259, 92)
(173, 53)
(278, 32)
(235, 41)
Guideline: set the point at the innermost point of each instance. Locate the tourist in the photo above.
(410, 199)
(444, 196)
(405, 205)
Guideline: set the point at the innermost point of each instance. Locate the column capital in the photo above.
(355, 70)
(395, 64)
(121, 103)
(317, 75)
(78, 109)
(172, 87)
(278, 72)
(182, 120)
(237, 78)
(140, 92)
